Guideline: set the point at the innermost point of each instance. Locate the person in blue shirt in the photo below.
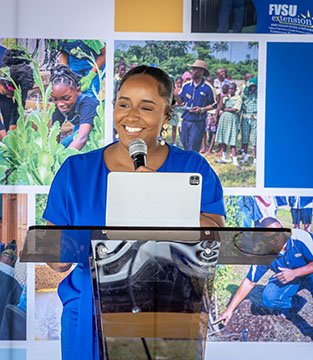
(74, 54)
(197, 97)
(78, 192)
(225, 9)
(301, 211)
(74, 111)
(293, 271)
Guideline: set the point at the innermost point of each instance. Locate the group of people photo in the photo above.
(214, 111)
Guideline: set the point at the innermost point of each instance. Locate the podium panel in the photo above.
(152, 287)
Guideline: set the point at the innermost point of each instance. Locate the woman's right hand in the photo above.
(144, 169)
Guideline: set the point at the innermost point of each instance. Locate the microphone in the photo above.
(137, 150)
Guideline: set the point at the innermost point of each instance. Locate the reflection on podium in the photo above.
(152, 287)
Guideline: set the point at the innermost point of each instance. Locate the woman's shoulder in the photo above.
(87, 158)
(186, 157)
(84, 100)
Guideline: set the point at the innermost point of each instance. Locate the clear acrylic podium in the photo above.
(152, 287)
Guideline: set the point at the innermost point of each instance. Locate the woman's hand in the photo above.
(211, 220)
(144, 169)
(59, 267)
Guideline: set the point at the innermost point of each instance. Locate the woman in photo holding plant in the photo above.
(78, 192)
(74, 111)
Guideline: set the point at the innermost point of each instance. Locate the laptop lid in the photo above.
(153, 199)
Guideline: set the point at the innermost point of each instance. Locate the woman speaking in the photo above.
(78, 192)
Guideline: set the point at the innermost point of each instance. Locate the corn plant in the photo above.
(30, 154)
(96, 136)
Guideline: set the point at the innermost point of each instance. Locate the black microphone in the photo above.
(137, 150)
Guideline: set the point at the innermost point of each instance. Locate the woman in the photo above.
(143, 106)
(228, 126)
(74, 111)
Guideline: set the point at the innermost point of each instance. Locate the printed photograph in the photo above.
(267, 302)
(51, 105)
(48, 306)
(13, 273)
(251, 16)
(215, 99)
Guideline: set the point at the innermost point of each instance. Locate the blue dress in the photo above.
(78, 197)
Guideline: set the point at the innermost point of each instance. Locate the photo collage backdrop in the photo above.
(271, 179)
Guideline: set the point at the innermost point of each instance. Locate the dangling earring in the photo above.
(163, 135)
(116, 134)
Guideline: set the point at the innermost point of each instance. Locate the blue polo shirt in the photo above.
(192, 95)
(84, 111)
(298, 253)
(303, 202)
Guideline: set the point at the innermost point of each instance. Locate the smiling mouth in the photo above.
(133, 130)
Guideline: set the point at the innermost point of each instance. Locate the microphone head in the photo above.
(137, 146)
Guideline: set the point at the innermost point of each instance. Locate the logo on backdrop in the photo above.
(287, 17)
(279, 18)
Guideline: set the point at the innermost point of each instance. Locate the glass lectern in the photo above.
(152, 286)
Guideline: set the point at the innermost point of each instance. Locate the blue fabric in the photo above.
(84, 111)
(192, 134)
(301, 215)
(298, 252)
(192, 96)
(225, 9)
(2, 50)
(303, 201)
(277, 295)
(80, 65)
(282, 59)
(78, 197)
(281, 16)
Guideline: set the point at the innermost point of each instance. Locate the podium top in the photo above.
(72, 243)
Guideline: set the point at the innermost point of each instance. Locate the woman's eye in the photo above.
(124, 106)
(146, 108)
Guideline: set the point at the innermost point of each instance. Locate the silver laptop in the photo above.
(153, 199)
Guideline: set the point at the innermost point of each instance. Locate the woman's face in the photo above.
(232, 89)
(64, 97)
(140, 111)
(179, 83)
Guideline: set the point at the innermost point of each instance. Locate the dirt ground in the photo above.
(252, 322)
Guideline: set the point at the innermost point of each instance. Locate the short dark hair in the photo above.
(22, 75)
(14, 57)
(165, 83)
(268, 222)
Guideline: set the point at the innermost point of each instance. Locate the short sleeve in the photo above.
(56, 210)
(238, 103)
(88, 111)
(210, 96)
(212, 201)
(256, 272)
(182, 93)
